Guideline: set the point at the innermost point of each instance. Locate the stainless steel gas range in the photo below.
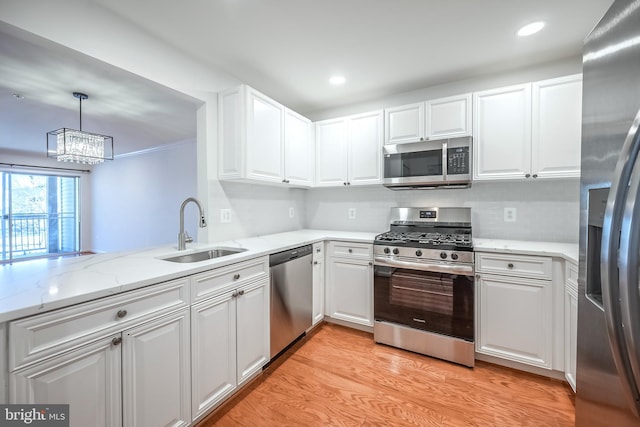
(424, 283)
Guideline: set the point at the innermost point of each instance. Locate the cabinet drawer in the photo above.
(536, 267)
(212, 282)
(351, 250)
(44, 335)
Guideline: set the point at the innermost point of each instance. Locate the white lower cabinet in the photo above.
(156, 373)
(571, 323)
(88, 379)
(515, 312)
(350, 282)
(318, 282)
(229, 343)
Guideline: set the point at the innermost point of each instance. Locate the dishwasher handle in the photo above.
(289, 255)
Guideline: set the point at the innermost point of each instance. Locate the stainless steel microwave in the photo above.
(428, 164)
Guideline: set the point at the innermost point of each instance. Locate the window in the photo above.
(40, 216)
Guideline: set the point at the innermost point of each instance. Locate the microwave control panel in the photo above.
(458, 161)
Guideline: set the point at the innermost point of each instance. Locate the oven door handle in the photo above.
(460, 269)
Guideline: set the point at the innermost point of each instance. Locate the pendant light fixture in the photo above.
(70, 145)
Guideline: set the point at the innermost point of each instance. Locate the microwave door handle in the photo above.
(445, 159)
(611, 233)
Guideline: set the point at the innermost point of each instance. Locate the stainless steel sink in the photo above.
(205, 255)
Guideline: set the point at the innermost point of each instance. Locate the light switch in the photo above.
(352, 213)
(225, 216)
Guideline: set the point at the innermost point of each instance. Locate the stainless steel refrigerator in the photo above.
(608, 363)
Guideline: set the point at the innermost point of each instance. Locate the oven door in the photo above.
(437, 302)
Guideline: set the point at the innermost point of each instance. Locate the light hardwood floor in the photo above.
(340, 377)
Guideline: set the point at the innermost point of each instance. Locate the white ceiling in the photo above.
(138, 113)
(287, 49)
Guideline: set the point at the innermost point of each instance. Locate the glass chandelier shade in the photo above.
(70, 145)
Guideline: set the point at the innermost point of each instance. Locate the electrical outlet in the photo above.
(352, 213)
(510, 214)
(225, 216)
(292, 212)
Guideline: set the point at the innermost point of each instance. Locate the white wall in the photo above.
(545, 210)
(136, 199)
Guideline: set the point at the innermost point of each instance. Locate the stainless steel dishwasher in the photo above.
(291, 296)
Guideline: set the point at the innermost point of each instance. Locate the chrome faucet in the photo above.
(183, 237)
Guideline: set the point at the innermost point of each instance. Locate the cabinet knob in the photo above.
(317, 249)
(350, 251)
(315, 262)
(421, 138)
(241, 292)
(510, 265)
(535, 175)
(121, 313)
(528, 175)
(477, 277)
(234, 294)
(344, 183)
(236, 276)
(370, 263)
(116, 341)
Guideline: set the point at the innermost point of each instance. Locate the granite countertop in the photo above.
(568, 251)
(32, 287)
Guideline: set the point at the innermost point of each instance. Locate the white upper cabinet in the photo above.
(298, 149)
(449, 117)
(365, 149)
(557, 126)
(262, 141)
(435, 119)
(404, 124)
(265, 138)
(349, 150)
(528, 131)
(502, 132)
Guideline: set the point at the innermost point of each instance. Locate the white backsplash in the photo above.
(545, 210)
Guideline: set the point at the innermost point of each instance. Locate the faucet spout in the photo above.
(183, 237)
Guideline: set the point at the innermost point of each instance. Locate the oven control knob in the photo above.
(454, 256)
(443, 255)
(418, 252)
(387, 250)
(396, 251)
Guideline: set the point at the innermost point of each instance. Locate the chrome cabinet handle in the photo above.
(236, 276)
(121, 313)
(116, 341)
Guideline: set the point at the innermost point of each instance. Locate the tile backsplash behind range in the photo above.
(545, 210)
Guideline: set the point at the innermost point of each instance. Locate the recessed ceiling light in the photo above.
(530, 29)
(17, 96)
(337, 80)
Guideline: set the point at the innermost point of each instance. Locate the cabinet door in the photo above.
(156, 373)
(557, 127)
(404, 124)
(213, 352)
(365, 149)
(331, 153)
(571, 331)
(230, 122)
(88, 379)
(265, 138)
(318, 282)
(350, 285)
(515, 319)
(298, 149)
(449, 117)
(252, 329)
(502, 133)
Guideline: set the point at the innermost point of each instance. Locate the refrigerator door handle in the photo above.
(629, 279)
(611, 234)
